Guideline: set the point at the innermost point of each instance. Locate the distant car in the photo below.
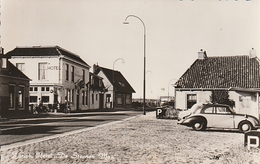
(218, 116)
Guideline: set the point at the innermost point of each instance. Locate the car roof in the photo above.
(216, 105)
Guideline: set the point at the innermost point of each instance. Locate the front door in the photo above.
(101, 101)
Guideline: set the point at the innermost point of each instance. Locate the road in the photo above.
(18, 130)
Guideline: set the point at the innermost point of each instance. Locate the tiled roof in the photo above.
(44, 51)
(120, 83)
(222, 72)
(13, 71)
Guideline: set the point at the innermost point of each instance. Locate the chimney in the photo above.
(1, 51)
(202, 55)
(95, 68)
(252, 53)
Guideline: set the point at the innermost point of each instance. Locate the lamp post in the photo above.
(125, 22)
(114, 78)
(114, 65)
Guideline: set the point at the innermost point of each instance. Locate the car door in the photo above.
(223, 118)
(208, 113)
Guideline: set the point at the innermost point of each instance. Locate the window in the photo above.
(96, 96)
(83, 75)
(31, 88)
(108, 97)
(92, 98)
(119, 98)
(191, 100)
(33, 99)
(86, 97)
(68, 95)
(67, 72)
(92, 80)
(45, 99)
(222, 110)
(20, 66)
(21, 97)
(72, 96)
(83, 97)
(35, 88)
(11, 96)
(208, 110)
(128, 99)
(72, 73)
(47, 88)
(42, 88)
(42, 71)
(100, 83)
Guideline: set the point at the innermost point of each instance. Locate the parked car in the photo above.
(184, 113)
(218, 116)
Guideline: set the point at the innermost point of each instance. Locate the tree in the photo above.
(221, 97)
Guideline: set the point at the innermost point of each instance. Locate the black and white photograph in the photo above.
(130, 81)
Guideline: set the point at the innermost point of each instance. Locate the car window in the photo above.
(207, 110)
(222, 110)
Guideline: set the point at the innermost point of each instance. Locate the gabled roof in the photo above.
(116, 79)
(13, 71)
(38, 51)
(222, 72)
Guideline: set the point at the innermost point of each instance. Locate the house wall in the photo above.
(59, 89)
(109, 95)
(5, 82)
(245, 102)
(69, 91)
(94, 99)
(181, 98)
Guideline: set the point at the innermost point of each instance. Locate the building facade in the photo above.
(96, 91)
(58, 76)
(14, 90)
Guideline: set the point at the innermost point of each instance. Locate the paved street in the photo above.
(141, 139)
(17, 130)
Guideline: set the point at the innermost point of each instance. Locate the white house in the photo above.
(57, 75)
(237, 78)
(118, 90)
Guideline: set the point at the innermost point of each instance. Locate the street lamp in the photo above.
(125, 22)
(114, 78)
(114, 65)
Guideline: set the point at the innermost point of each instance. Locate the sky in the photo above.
(176, 30)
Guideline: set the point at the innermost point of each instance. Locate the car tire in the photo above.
(245, 126)
(199, 126)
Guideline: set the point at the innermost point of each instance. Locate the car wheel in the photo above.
(198, 126)
(245, 126)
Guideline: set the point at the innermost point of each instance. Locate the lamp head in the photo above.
(125, 22)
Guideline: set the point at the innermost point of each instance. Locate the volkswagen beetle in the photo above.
(218, 116)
